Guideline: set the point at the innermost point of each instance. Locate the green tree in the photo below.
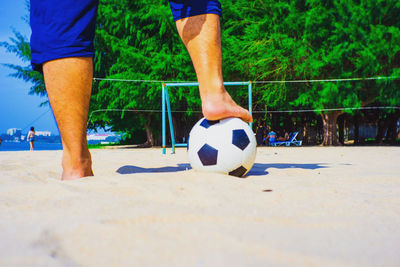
(138, 40)
(309, 39)
(19, 45)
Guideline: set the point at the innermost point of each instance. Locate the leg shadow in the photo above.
(260, 169)
(136, 169)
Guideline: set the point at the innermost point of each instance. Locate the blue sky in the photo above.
(18, 109)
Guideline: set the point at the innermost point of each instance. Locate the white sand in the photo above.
(322, 207)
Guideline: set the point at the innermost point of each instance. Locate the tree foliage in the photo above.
(296, 40)
(19, 45)
(138, 40)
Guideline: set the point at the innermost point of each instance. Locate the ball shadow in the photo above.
(260, 169)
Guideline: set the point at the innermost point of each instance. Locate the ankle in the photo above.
(212, 88)
(76, 165)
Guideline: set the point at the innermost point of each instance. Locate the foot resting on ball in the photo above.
(221, 105)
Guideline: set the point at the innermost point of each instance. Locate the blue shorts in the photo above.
(66, 28)
(188, 8)
(61, 29)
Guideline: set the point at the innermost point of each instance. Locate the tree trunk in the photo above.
(383, 129)
(392, 129)
(319, 131)
(330, 129)
(305, 133)
(340, 121)
(149, 133)
(356, 129)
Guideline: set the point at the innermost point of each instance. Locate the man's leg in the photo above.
(202, 37)
(69, 84)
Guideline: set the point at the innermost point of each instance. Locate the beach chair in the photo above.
(277, 143)
(292, 141)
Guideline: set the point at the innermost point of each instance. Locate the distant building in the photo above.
(103, 138)
(16, 132)
(97, 137)
(43, 133)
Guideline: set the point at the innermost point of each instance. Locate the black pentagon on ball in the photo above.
(206, 123)
(240, 139)
(238, 172)
(208, 155)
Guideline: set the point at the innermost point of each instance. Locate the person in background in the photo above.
(31, 138)
(284, 136)
(271, 137)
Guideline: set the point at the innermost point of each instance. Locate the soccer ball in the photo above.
(224, 146)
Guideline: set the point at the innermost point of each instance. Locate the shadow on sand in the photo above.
(258, 169)
(135, 169)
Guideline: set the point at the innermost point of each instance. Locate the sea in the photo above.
(21, 146)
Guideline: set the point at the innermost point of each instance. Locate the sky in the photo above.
(18, 109)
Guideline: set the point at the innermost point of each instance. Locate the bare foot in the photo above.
(76, 168)
(221, 106)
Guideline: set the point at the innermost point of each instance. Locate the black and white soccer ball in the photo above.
(224, 146)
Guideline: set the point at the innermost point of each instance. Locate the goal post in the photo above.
(166, 108)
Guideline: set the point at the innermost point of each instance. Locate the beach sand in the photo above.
(298, 206)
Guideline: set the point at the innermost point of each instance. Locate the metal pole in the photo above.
(171, 126)
(250, 103)
(197, 84)
(163, 119)
(165, 101)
